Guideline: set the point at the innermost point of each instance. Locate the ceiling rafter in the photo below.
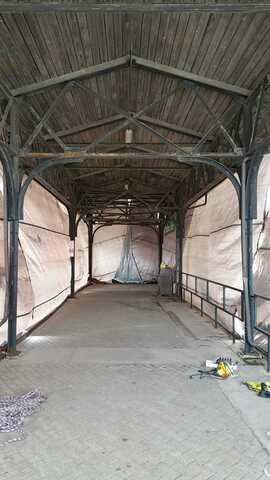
(88, 72)
(193, 78)
(138, 62)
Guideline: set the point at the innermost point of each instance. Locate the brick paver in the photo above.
(115, 367)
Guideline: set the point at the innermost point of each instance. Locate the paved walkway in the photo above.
(115, 366)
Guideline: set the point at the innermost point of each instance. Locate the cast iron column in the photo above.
(13, 228)
(179, 251)
(160, 244)
(72, 235)
(90, 249)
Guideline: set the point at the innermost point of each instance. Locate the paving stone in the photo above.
(115, 368)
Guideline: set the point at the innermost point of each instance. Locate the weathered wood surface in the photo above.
(37, 49)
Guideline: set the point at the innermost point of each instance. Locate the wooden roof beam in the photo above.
(179, 74)
(9, 7)
(88, 72)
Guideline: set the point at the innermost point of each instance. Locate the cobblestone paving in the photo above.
(115, 367)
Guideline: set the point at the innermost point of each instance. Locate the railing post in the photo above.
(224, 297)
(216, 319)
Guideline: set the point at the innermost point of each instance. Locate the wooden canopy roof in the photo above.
(175, 76)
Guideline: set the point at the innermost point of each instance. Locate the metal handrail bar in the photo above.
(213, 281)
(263, 330)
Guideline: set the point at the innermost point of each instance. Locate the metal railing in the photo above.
(204, 294)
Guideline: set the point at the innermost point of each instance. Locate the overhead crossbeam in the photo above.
(86, 126)
(8, 7)
(115, 118)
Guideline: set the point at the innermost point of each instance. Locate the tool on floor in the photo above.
(222, 367)
(261, 388)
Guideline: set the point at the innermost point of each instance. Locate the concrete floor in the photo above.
(115, 366)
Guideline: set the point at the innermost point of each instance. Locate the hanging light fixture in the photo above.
(128, 135)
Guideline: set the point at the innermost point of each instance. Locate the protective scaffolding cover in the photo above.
(212, 248)
(128, 270)
(44, 259)
(126, 254)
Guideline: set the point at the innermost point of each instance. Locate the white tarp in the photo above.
(44, 260)
(126, 254)
(212, 245)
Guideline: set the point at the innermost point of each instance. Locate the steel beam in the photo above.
(70, 77)
(171, 127)
(46, 116)
(82, 155)
(190, 77)
(133, 8)
(86, 126)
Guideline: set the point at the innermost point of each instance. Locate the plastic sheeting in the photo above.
(126, 254)
(212, 246)
(44, 259)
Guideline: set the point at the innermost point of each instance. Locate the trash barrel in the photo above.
(165, 281)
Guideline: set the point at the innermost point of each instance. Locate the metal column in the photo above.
(90, 249)
(72, 236)
(179, 251)
(13, 228)
(160, 245)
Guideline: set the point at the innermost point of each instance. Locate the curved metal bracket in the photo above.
(219, 166)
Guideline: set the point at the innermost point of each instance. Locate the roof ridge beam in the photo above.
(87, 72)
(193, 78)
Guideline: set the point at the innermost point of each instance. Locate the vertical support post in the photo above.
(72, 235)
(160, 244)
(13, 284)
(13, 229)
(90, 249)
(179, 251)
(268, 356)
(249, 175)
(247, 255)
